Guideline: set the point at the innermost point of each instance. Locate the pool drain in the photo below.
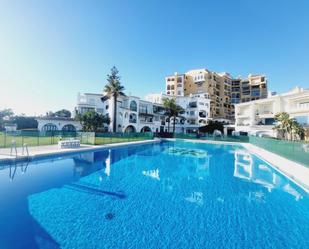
(110, 216)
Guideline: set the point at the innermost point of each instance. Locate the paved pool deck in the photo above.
(49, 150)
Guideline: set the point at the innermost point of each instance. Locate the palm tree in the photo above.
(289, 127)
(168, 104)
(298, 131)
(172, 110)
(176, 113)
(113, 89)
(284, 123)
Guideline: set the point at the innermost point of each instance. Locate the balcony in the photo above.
(192, 105)
(255, 93)
(242, 114)
(300, 108)
(202, 114)
(146, 121)
(132, 118)
(145, 112)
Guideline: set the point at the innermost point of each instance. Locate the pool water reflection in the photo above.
(168, 195)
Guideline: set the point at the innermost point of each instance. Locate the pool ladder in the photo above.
(14, 148)
(25, 148)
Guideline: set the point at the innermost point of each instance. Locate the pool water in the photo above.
(165, 195)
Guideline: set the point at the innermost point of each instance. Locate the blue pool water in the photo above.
(168, 195)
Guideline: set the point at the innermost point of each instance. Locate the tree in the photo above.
(63, 113)
(298, 132)
(92, 121)
(287, 127)
(211, 127)
(24, 122)
(113, 89)
(5, 114)
(168, 105)
(283, 124)
(172, 110)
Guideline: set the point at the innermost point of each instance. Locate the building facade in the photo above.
(196, 106)
(224, 91)
(58, 124)
(137, 115)
(258, 116)
(90, 102)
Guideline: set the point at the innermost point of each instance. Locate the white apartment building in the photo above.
(90, 102)
(196, 106)
(137, 115)
(258, 116)
(133, 114)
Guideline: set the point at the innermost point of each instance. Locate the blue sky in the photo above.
(52, 49)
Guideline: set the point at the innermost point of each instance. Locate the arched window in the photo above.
(130, 129)
(146, 129)
(133, 106)
(49, 127)
(69, 127)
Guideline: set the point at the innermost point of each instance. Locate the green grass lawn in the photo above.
(5, 141)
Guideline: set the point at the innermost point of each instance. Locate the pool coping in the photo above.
(296, 172)
(62, 152)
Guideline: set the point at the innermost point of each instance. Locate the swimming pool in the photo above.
(166, 195)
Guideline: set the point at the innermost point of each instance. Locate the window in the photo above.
(192, 104)
(49, 127)
(106, 107)
(304, 105)
(132, 118)
(133, 106)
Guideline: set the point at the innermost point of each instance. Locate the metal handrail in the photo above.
(25, 147)
(13, 146)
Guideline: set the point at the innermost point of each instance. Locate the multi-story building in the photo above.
(252, 88)
(258, 116)
(137, 115)
(224, 91)
(133, 114)
(90, 102)
(196, 106)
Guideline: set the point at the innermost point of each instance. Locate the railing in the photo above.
(108, 138)
(292, 150)
(210, 137)
(33, 138)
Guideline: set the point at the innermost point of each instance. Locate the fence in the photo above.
(293, 150)
(35, 138)
(239, 139)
